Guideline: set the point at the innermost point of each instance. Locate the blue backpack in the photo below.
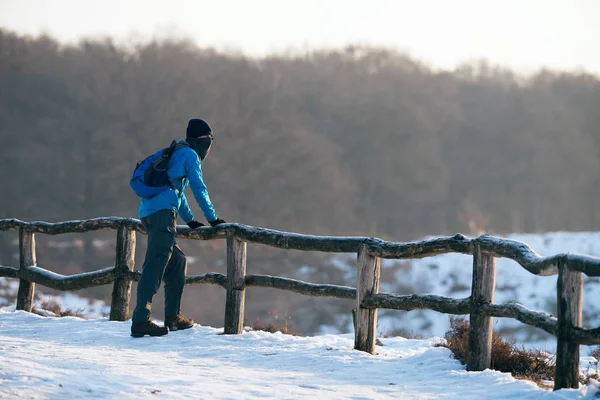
(150, 175)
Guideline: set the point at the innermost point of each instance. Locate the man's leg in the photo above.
(174, 282)
(174, 278)
(161, 239)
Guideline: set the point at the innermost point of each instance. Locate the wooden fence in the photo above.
(566, 326)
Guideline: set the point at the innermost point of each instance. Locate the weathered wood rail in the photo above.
(566, 326)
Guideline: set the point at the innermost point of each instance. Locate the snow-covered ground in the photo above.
(450, 275)
(68, 358)
(90, 308)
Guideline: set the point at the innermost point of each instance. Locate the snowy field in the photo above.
(90, 308)
(451, 274)
(64, 358)
(73, 358)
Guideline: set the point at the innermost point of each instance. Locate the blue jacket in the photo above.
(183, 169)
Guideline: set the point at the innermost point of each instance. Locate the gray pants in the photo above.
(164, 261)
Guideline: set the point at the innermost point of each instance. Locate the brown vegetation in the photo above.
(282, 325)
(402, 333)
(534, 365)
(594, 367)
(55, 308)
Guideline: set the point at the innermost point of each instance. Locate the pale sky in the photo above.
(522, 34)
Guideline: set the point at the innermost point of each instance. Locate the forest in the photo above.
(355, 141)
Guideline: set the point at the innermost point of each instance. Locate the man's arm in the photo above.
(194, 174)
(184, 210)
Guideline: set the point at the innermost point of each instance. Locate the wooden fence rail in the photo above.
(566, 326)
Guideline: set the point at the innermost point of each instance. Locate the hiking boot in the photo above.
(140, 329)
(178, 323)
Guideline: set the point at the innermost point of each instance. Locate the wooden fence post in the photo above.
(27, 258)
(367, 283)
(480, 326)
(569, 302)
(125, 262)
(236, 278)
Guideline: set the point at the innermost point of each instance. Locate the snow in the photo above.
(450, 275)
(75, 358)
(447, 275)
(91, 308)
(47, 357)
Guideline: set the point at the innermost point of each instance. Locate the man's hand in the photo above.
(195, 224)
(216, 222)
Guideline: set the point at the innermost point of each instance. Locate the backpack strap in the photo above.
(168, 152)
(175, 145)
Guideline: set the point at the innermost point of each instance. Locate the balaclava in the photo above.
(199, 136)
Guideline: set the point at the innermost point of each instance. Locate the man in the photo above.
(164, 259)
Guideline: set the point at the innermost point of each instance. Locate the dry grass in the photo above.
(596, 354)
(402, 333)
(593, 371)
(533, 364)
(282, 325)
(55, 308)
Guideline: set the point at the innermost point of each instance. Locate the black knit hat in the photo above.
(197, 127)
